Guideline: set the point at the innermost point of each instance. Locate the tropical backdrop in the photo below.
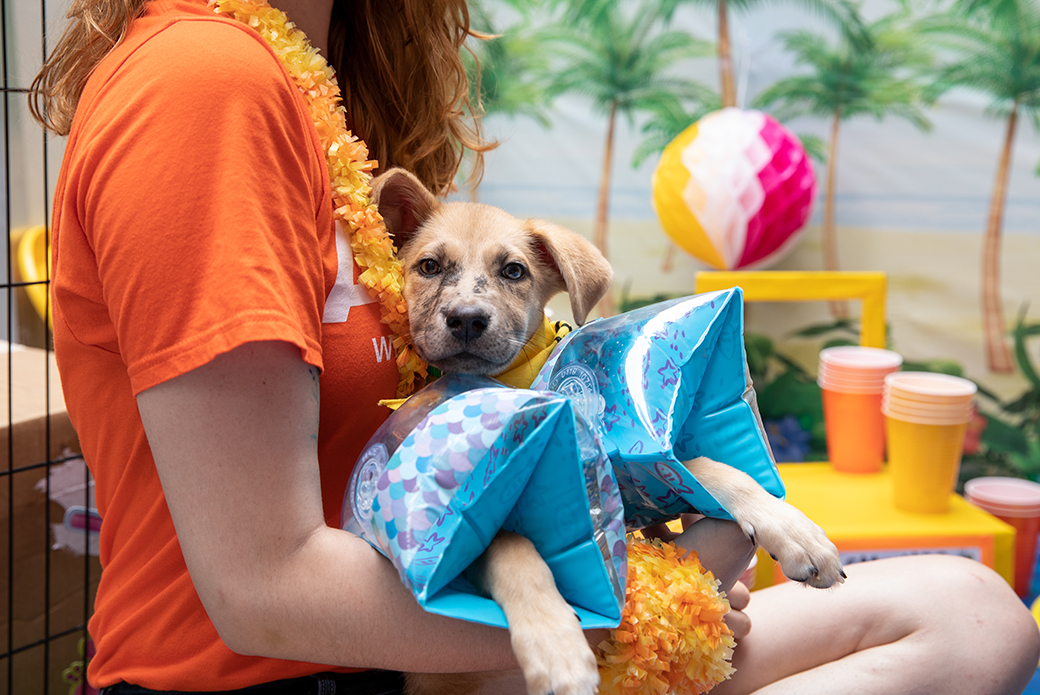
(921, 118)
(923, 122)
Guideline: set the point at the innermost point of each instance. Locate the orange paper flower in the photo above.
(672, 638)
(350, 172)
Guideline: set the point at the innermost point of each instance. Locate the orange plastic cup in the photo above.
(855, 430)
(1016, 502)
(923, 460)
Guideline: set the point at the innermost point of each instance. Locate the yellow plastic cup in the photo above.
(928, 414)
(923, 460)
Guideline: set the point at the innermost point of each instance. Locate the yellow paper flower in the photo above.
(350, 172)
(672, 637)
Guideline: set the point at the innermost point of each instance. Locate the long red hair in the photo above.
(405, 88)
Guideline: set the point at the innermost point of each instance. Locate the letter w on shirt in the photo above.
(384, 348)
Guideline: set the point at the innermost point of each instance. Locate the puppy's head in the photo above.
(476, 279)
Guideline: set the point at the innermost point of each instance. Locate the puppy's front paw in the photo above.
(801, 547)
(555, 657)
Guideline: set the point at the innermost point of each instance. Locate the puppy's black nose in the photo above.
(467, 323)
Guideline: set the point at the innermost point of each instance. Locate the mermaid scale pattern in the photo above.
(595, 446)
(466, 457)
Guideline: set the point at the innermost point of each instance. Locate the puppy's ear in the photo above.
(582, 269)
(403, 202)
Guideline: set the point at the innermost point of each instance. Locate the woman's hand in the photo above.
(737, 620)
(722, 548)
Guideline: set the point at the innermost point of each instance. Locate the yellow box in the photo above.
(804, 286)
(857, 513)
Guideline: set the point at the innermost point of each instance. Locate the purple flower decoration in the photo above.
(787, 439)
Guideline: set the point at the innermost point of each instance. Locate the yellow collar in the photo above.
(521, 373)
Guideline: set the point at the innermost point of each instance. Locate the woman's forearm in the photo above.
(336, 600)
(235, 446)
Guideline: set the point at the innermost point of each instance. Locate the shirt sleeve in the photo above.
(203, 200)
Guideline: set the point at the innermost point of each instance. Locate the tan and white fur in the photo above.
(476, 281)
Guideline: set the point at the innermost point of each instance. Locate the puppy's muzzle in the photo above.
(467, 323)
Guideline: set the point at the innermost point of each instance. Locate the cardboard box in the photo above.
(46, 594)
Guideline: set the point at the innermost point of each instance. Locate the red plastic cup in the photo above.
(1016, 502)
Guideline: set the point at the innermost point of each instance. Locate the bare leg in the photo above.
(925, 624)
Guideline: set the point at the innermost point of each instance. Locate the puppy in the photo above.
(476, 282)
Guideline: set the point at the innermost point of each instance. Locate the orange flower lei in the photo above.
(672, 637)
(349, 171)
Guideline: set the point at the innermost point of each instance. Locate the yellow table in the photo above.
(856, 512)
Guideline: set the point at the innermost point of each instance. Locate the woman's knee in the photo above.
(970, 604)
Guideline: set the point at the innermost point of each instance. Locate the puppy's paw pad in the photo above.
(802, 548)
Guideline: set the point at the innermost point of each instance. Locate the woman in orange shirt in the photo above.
(203, 280)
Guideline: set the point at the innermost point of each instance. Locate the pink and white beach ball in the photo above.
(734, 189)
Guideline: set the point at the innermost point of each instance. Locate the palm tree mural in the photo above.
(507, 67)
(840, 12)
(995, 45)
(620, 61)
(868, 74)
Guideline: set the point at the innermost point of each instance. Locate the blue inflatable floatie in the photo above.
(665, 384)
(596, 444)
(467, 456)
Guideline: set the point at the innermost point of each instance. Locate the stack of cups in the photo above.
(851, 382)
(1016, 502)
(926, 416)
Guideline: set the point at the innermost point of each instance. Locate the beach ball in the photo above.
(735, 189)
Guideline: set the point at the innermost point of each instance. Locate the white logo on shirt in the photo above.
(384, 348)
(345, 294)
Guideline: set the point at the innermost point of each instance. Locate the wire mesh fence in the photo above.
(48, 564)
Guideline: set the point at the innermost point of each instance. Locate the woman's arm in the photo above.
(235, 446)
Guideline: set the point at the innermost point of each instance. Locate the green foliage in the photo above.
(814, 146)
(668, 121)
(844, 326)
(630, 303)
(1004, 437)
(1010, 442)
(620, 62)
(507, 71)
(758, 348)
(864, 74)
(993, 48)
(795, 392)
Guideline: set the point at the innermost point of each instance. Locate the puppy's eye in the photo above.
(513, 271)
(428, 266)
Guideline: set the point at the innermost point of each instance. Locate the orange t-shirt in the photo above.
(192, 215)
